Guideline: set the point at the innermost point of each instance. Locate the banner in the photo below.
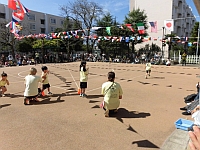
(169, 25)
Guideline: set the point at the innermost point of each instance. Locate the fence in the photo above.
(191, 59)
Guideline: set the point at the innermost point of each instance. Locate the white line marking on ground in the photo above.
(118, 82)
(22, 72)
(73, 78)
(15, 76)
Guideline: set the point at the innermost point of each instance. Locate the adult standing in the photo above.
(184, 56)
(37, 59)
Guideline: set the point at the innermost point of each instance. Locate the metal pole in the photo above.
(162, 43)
(197, 43)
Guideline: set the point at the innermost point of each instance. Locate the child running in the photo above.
(31, 86)
(45, 80)
(3, 82)
(148, 68)
(83, 78)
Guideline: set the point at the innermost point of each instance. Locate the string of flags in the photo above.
(19, 11)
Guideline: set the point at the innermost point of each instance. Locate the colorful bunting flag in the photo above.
(140, 28)
(108, 30)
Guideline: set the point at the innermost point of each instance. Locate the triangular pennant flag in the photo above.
(130, 27)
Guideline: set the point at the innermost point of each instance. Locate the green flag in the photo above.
(108, 30)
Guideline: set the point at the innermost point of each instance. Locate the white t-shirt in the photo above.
(111, 92)
(31, 83)
(148, 66)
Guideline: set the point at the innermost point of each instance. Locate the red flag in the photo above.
(130, 27)
(12, 4)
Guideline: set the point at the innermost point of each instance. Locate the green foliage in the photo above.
(25, 45)
(150, 50)
(44, 43)
(194, 35)
(137, 16)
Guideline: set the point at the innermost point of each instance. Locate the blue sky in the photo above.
(117, 8)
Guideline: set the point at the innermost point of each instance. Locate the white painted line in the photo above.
(22, 72)
(118, 82)
(73, 78)
(15, 76)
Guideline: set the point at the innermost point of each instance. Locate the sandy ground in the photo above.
(66, 121)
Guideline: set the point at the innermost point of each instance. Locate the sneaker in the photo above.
(81, 95)
(3, 95)
(84, 95)
(106, 113)
(183, 108)
(186, 113)
(49, 93)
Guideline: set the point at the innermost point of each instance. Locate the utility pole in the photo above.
(163, 28)
(197, 43)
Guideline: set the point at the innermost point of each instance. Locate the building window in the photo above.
(42, 21)
(52, 29)
(31, 17)
(32, 26)
(42, 30)
(61, 22)
(3, 15)
(53, 21)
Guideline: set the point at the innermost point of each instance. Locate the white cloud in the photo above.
(115, 6)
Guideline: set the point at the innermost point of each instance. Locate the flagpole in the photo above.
(197, 43)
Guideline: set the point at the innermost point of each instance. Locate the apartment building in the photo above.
(35, 23)
(160, 10)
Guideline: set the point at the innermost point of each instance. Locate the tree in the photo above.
(25, 45)
(83, 13)
(194, 34)
(111, 46)
(134, 17)
(7, 38)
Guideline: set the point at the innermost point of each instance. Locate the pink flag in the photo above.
(153, 26)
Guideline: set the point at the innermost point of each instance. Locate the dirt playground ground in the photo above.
(66, 121)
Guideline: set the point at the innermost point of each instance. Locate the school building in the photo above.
(160, 10)
(36, 23)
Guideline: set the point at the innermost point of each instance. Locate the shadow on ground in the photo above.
(47, 101)
(145, 143)
(124, 113)
(4, 105)
(94, 96)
